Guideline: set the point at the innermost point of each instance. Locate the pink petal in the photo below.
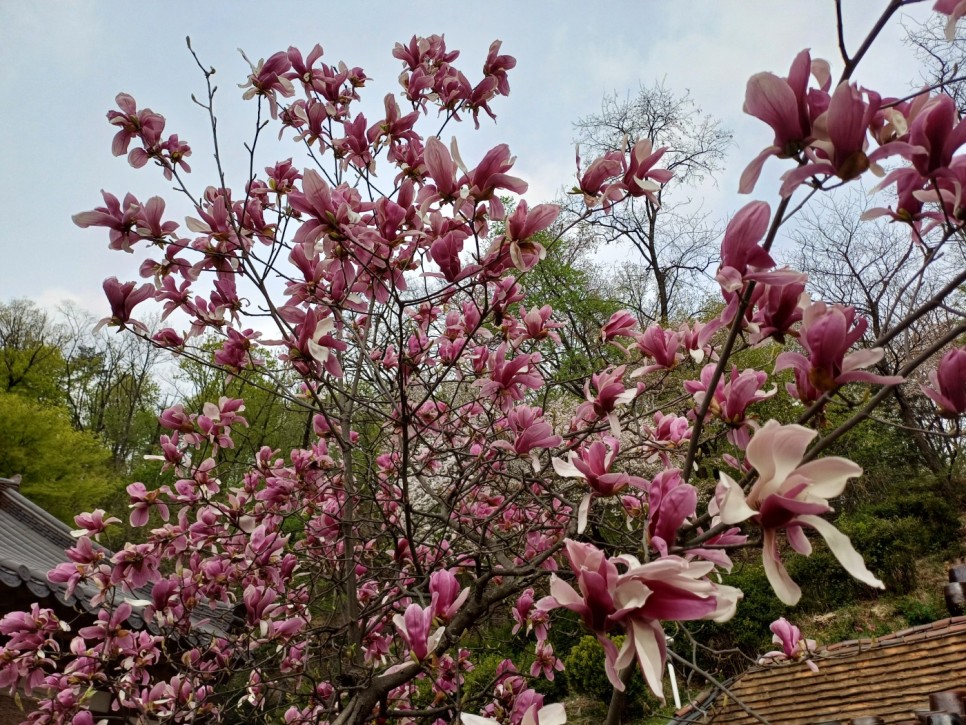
(785, 589)
(732, 506)
(650, 653)
(829, 476)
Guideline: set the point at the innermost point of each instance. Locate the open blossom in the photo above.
(670, 432)
(948, 389)
(637, 599)
(789, 107)
(641, 178)
(533, 433)
(794, 646)
(522, 226)
(592, 464)
(662, 346)
(268, 78)
(731, 398)
(610, 393)
(790, 496)
(841, 150)
(93, 523)
(827, 333)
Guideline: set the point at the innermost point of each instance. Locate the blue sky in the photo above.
(65, 61)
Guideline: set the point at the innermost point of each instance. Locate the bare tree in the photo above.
(943, 61)
(674, 240)
(878, 268)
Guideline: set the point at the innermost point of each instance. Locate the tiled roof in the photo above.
(890, 676)
(32, 542)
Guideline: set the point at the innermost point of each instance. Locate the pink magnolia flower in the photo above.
(669, 588)
(740, 249)
(538, 324)
(696, 339)
(610, 393)
(827, 333)
(620, 324)
(671, 502)
(640, 177)
(269, 79)
(788, 107)
(776, 305)
(534, 715)
(731, 398)
(662, 346)
(508, 378)
(447, 597)
(123, 297)
(93, 523)
(533, 433)
(794, 646)
(545, 662)
(841, 151)
(789, 496)
(491, 175)
(592, 464)
(142, 501)
(525, 614)
(414, 626)
(948, 389)
(522, 226)
(133, 123)
(596, 184)
(121, 219)
(670, 433)
(935, 134)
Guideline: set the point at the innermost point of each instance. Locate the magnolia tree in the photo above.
(445, 484)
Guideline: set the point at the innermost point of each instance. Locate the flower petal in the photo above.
(840, 545)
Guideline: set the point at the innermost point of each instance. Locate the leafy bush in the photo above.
(916, 612)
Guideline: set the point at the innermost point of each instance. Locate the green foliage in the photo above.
(31, 363)
(748, 629)
(478, 682)
(569, 283)
(916, 611)
(64, 470)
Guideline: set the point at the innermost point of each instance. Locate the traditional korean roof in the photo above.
(32, 542)
(889, 677)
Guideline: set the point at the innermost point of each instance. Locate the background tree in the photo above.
(31, 360)
(673, 238)
(881, 270)
(64, 470)
(110, 386)
(943, 60)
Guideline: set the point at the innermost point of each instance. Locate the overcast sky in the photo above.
(63, 63)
